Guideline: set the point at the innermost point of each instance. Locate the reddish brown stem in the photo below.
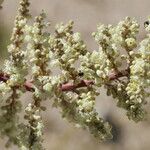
(70, 86)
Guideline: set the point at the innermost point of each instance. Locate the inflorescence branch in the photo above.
(70, 86)
(74, 90)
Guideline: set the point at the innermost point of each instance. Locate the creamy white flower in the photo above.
(22, 22)
(77, 37)
(131, 42)
(48, 87)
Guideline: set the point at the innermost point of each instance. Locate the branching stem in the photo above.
(70, 86)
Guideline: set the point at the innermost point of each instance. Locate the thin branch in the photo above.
(70, 86)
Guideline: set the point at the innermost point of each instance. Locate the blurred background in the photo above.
(59, 134)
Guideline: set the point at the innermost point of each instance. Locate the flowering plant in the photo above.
(35, 52)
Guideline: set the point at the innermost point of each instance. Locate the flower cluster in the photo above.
(9, 118)
(95, 66)
(16, 69)
(104, 37)
(125, 33)
(79, 109)
(80, 74)
(35, 127)
(38, 57)
(16, 66)
(97, 126)
(37, 53)
(65, 48)
(137, 88)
